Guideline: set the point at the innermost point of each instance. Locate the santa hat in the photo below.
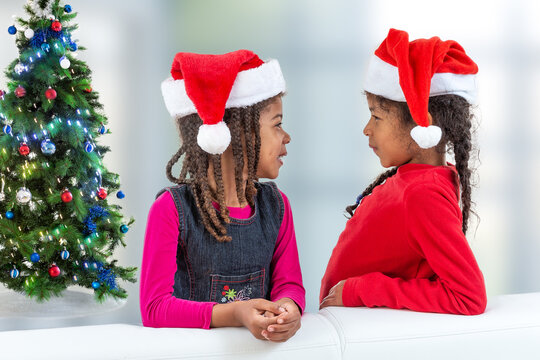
(413, 71)
(208, 84)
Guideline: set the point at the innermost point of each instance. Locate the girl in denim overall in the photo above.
(404, 245)
(220, 247)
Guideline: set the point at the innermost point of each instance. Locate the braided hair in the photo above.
(453, 115)
(243, 123)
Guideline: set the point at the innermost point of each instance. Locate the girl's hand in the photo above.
(335, 296)
(251, 314)
(288, 322)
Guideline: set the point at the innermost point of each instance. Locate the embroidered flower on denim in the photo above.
(231, 295)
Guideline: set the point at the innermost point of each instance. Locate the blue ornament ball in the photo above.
(45, 47)
(14, 273)
(73, 46)
(12, 30)
(88, 147)
(34, 257)
(9, 214)
(64, 255)
(48, 147)
(120, 195)
(124, 228)
(96, 285)
(102, 129)
(67, 8)
(7, 129)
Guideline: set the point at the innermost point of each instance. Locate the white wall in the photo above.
(323, 48)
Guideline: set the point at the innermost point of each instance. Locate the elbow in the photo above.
(478, 305)
(147, 309)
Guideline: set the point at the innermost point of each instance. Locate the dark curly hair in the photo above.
(453, 114)
(243, 124)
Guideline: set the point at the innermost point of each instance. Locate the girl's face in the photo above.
(388, 137)
(273, 140)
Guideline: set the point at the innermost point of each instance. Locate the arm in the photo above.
(286, 274)
(287, 289)
(434, 225)
(159, 308)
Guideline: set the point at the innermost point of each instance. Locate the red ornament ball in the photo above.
(88, 89)
(54, 271)
(66, 196)
(102, 193)
(50, 94)
(24, 149)
(56, 25)
(20, 92)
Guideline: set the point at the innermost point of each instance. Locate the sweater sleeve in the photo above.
(159, 308)
(433, 221)
(286, 273)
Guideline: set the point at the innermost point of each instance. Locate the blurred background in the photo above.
(323, 49)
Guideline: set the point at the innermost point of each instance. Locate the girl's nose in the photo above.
(287, 138)
(367, 129)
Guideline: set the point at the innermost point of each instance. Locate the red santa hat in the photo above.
(413, 71)
(208, 84)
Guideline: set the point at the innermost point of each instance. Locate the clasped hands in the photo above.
(266, 320)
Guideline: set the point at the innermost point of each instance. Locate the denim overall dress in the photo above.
(222, 272)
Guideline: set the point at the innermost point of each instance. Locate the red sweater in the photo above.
(404, 247)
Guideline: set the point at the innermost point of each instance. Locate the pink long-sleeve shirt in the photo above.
(159, 308)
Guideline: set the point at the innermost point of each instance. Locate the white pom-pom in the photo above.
(426, 137)
(214, 139)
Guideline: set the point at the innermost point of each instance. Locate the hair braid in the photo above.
(453, 115)
(170, 164)
(238, 154)
(378, 181)
(218, 175)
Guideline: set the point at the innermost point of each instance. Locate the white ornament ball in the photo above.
(64, 62)
(23, 196)
(29, 33)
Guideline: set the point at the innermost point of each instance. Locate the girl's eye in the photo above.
(375, 117)
(278, 125)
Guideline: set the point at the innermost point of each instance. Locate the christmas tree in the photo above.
(57, 227)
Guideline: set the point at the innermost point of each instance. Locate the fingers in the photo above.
(265, 305)
(280, 333)
(327, 301)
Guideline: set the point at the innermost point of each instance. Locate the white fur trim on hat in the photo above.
(250, 87)
(214, 139)
(383, 79)
(426, 137)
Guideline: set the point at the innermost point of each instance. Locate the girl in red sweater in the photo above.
(404, 245)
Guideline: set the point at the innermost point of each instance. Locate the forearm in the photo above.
(225, 315)
(376, 289)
